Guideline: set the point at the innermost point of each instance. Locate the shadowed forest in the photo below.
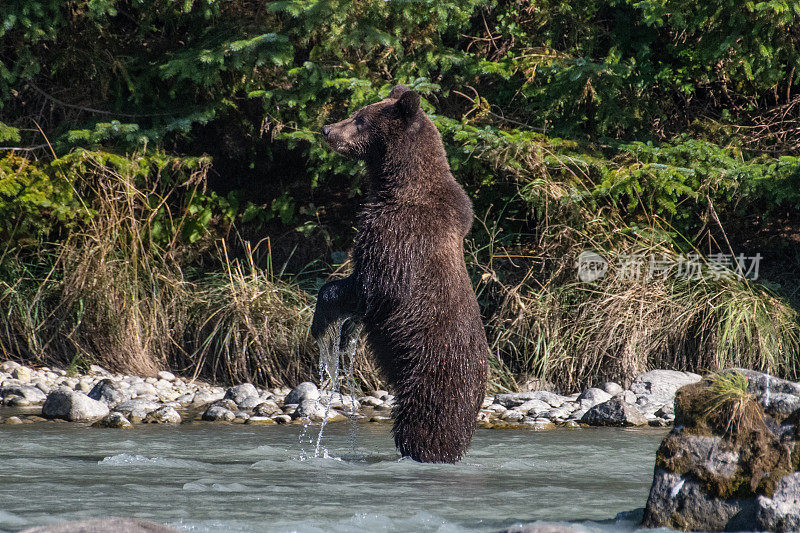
(166, 200)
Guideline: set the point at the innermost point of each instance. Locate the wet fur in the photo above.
(410, 284)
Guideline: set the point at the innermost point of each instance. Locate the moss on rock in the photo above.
(728, 445)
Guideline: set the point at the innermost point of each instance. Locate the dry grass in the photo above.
(727, 406)
(545, 324)
(113, 294)
(109, 293)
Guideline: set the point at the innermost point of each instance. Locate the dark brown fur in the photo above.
(410, 285)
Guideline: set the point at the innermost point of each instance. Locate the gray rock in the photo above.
(97, 369)
(706, 451)
(614, 412)
(371, 401)
(559, 413)
(577, 415)
(628, 396)
(267, 408)
(113, 420)
(44, 385)
(217, 413)
(781, 512)
(250, 403)
(593, 396)
(658, 387)
(282, 419)
(534, 407)
(22, 373)
(311, 409)
(108, 391)
(143, 389)
(230, 405)
(169, 395)
(137, 406)
(240, 393)
(347, 402)
(612, 388)
(515, 399)
(8, 366)
(207, 397)
(84, 385)
(304, 391)
(781, 404)
(34, 395)
(260, 421)
(185, 399)
(666, 412)
(15, 401)
(73, 406)
(512, 415)
(163, 415)
(105, 525)
(762, 385)
(167, 376)
(163, 385)
(681, 503)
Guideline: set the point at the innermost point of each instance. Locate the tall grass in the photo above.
(124, 293)
(108, 293)
(545, 324)
(123, 290)
(246, 325)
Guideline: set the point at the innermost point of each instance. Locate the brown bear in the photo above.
(409, 287)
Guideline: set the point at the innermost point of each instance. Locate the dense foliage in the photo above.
(608, 124)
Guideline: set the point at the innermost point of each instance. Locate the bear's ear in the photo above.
(408, 104)
(398, 91)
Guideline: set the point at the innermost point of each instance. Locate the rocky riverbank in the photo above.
(114, 400)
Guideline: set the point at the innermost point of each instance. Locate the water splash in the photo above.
(337, 345)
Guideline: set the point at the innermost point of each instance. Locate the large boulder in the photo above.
(781, 512)
(217, 413)
(163, 415)
(515, 399)
(107, 391)
(241, 393)
(315, 411)
(304, 391)
(137, 408)
(658, 387)
(614, 412)
(114, 420)
(32, 394)
(779, 397)
(592, 396)
(73, 406)
(731, 461)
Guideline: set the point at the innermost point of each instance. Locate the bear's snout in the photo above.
(326, 130)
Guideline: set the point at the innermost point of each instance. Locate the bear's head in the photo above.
(370, 129)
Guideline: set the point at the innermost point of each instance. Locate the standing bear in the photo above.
(409, 287)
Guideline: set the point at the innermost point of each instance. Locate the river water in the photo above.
(223, 478)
